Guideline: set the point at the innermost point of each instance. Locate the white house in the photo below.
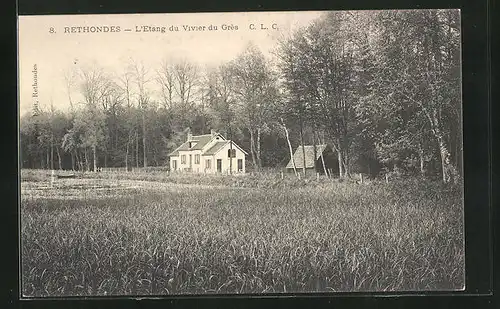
(209, 153)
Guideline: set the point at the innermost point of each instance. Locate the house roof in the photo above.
(309, 151)
(215, 148)
(202, 141)
(184, 146)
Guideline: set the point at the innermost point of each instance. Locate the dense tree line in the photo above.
(382, 88)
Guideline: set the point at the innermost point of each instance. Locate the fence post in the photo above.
(281, 175)
(361, 177)
(52, 178)
(386, 178)
(317, 176)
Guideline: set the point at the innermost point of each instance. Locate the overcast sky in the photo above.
(55, 53)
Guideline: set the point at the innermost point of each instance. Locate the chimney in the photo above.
(189, 136)
(213, 133)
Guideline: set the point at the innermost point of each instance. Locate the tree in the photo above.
(142, 79)
(295, 107)
(255, 88)
(166, 78)
(186, 80)
(125, 83)
(287, 136)
(420, 56)
(317, 65)
(95, 86)
(220, 99)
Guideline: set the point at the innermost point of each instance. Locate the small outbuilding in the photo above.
(324, 153)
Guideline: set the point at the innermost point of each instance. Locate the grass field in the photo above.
(124, 234)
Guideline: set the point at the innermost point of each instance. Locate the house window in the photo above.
(183, 159)
(231, 153)
(240, 165)
(174, 165)
(197, 159)
(207, 164)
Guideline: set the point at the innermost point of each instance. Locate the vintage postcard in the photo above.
(241, 153)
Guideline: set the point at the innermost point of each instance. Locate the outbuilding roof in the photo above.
(309, 151)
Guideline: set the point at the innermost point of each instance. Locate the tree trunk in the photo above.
(315, 150)
(341, 164)
(87, 167)
(137, 149)
(303, 149)
(77, 161)
(52, 151)
(315, 153)
(339, 158)
(449, 171)
(230, 156)
(290, 148)
(230, 135)
(94, 154)
(259, 161)
(126, 153)
(322, 158)
(345, 162)
(422, 160)
(252, 149)
(145, 160)
(59, 161)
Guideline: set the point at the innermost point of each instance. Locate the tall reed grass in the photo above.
(334, 237)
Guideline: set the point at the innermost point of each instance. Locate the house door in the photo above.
(219, 165)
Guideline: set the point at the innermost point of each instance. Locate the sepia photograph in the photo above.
(241, 153)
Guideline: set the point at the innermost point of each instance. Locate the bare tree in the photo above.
(186, 77)
(142, 79)
(95, 87)
(166, 78)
